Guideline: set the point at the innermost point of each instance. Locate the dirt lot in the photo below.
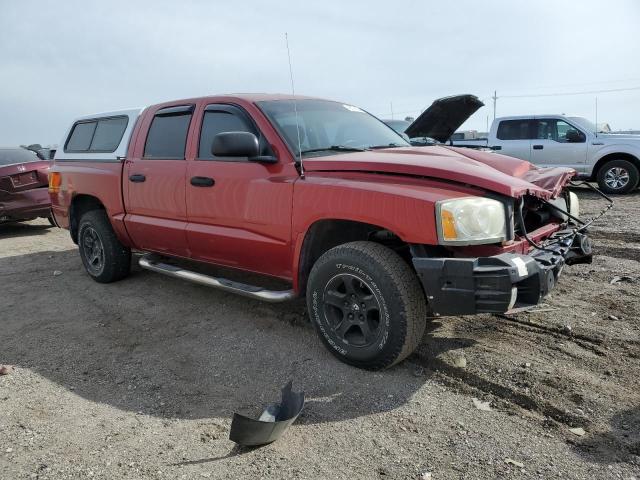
(139, 379)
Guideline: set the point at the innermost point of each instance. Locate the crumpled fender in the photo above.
(552, 179)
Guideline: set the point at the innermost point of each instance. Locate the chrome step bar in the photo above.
(152, 262)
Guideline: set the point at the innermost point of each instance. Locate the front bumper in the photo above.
(466, 286)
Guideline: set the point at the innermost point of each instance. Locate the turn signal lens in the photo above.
(448, 226)
(55, 180)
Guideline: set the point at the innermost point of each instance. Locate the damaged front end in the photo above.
(547, 235)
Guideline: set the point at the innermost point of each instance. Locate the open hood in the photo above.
(487, 170)
(444, 117)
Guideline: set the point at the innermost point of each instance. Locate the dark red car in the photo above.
(23, 186)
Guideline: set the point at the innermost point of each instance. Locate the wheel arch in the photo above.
(81, 204)
(614, 156)
(325, 234)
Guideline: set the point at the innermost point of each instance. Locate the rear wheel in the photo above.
(366, 304)
(104, 258)
(618, 176)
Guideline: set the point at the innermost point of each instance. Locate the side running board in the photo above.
(152, 262)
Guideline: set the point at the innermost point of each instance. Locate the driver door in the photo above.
(239, 211)
(551, 148)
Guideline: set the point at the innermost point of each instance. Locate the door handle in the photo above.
(202, 182)
(137, 178)
(538, 147)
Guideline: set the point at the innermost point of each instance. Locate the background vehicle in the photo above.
(23, 186)
(613, 160)
(375, 232)
(438, 122)
(398, 125)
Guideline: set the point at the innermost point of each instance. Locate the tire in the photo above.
(382, 294)
(104, 258)
(618, 176)
(51, 220)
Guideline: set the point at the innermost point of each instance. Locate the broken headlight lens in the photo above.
(471, 220)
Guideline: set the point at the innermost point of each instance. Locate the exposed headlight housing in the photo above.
(471, 221)
(574, 205)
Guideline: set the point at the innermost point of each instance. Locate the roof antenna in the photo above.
(596, 132)
(295, 106)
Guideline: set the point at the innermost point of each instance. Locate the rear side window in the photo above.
(100, 135)
(219, 120)
(167, 136)
(108, 134)
(80, 138)
(514, 130)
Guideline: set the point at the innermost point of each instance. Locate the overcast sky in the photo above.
(62, 59)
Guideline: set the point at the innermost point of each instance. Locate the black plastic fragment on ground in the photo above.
(272, 423)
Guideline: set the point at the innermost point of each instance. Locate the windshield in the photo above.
(329, 127)
(9, 156)
(398, 125)
(588, 125)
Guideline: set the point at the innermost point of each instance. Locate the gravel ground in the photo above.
(139, 379)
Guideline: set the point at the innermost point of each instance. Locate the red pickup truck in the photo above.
(378, 234)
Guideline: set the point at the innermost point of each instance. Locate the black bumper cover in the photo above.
(466, 286)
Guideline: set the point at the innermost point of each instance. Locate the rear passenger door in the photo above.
(239, 210)
(514, 138)
(154, 183)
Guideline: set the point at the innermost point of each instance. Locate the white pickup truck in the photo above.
(613, 160)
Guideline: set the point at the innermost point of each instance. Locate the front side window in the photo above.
(99, 135)
(569, 133)
(514, 130)
(557, 130)
(220, 119)
(167, 137)
(328, 127)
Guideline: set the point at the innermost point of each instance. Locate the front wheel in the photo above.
(618, 176)
(105, 259)
(366, 304)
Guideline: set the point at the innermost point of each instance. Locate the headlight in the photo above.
(471, 220)
(574, 205)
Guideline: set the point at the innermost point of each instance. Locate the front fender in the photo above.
(405, 206)
(623, 148)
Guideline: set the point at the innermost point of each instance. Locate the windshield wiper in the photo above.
(336, 148)
(390, 145)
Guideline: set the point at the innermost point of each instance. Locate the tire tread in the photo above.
(119, 265)
(404, 280)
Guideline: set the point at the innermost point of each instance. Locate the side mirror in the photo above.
(574, 136)
(235, 144)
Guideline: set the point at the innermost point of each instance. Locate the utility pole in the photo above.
(495, 97)
(391, 104)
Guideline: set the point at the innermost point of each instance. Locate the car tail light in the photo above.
(55, 179)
